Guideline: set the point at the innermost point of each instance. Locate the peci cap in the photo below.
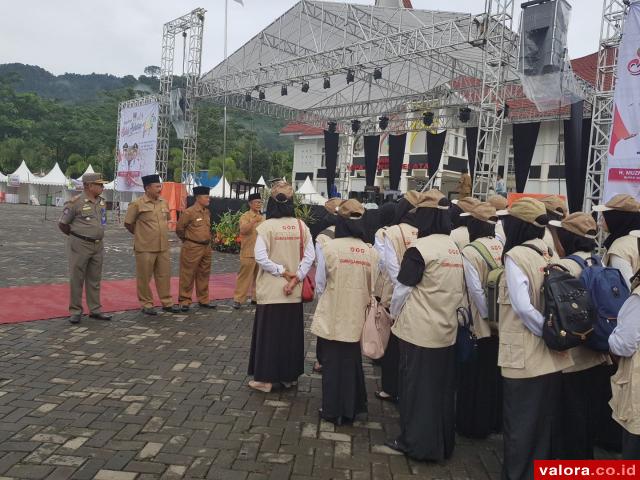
(433, 199)
(498, 202)
(351, 209)
(149, 179)
(254, 196)
(466, 203)
(413, 197)
(621, 202)
(528, 210)
(201, 191)
(282, 192)
(332, 205)
(555, 204)
(483, 211)
(93, 178)
(578, 223)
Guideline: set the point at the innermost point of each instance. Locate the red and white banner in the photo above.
(623, 168)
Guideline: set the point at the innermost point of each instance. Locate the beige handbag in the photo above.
(377, 327)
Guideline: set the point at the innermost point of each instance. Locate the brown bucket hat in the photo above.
(484, 211)
(528, 210)
(621, 202)
(578, 223)
(351, 209)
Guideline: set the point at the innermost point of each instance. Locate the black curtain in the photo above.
(435, 145)
(331, 158)
(472, 145)
(525, 136)
(371, 148)
(576, 151)
(396, 157)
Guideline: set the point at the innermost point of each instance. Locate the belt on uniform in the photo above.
(86, 239)
(199, 243)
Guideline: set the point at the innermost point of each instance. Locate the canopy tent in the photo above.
(261, 181)
(217, 191)
(307, 188)
(24, 173)
(88, 170)
(3, 178)
(22, 193)
(54, 177)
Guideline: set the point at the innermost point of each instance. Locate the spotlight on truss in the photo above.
(355, 125)
(331, 126)
(247, 97)
(505, 110)
(261, 94)
(427, 118)
(305, 87)
(383, 122)
(351, 76)
(377, 73)
(464, 114)
(326, 83)
(283, 90)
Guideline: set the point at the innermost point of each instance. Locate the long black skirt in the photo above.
(608, 431)
(479, 400)
(343, 390)
(630, 446)
(277, 343)
(389, 367)
(530, 423)
(426, 401)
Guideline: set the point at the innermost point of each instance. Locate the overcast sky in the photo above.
(123, 36)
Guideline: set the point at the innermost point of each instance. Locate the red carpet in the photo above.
(41, 302)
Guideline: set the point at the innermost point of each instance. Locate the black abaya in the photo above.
(277, 343)
(577, 420)
(630, 446)
(343, 390)
(389, 367)
(608, 431)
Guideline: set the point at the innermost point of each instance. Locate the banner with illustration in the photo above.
(137, 141)
(623, 168)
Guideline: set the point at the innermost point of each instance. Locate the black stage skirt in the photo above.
(577, 419)
(277, 343)
(479, 397)
(531, 407)
(343, 390)
(426, 401)
(630, 446)
(608, 431)
(389, 367)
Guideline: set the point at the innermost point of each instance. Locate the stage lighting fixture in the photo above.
(355, 125)
(326, 83)
(377, 73)
(506, 111)
(331, 126)
(305, 87)
(283, 90)
(427, 118)
(384, 122)
(247, 97)
(261, 95)
(351, 76)
(465, 114)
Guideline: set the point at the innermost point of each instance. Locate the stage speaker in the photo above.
(543, 39)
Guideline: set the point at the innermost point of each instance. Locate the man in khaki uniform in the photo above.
(464, 184)
(246, 280)
(83, 220)
(147, 219)
(194, 229)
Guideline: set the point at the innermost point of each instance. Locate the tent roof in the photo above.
(307, 187)
(261, 181)
(88, 170)
(3, 178)
(54, 177)
(24, 173)
(217, 190)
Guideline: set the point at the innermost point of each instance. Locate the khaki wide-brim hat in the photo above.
(433, 199)
(555, 204)
(621, 202)
(351, 209)
(578, 223)
(528, 210)
(484, 211)
(332, 205)
(466, 204)
(413, 197)
(498, 202)
(281, 188)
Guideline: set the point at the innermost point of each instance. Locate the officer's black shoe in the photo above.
(184, 308)
(208, 305)
(172, 309)
(149, 311)
(75, 319)
(237, 305)
(253, 302)
(100, 316)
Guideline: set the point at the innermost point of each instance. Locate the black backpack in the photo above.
(568, 311)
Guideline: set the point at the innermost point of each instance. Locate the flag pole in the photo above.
(224, 133)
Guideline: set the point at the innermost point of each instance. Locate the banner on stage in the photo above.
(137, 141)
(623, 167)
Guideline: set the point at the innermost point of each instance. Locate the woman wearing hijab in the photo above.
(499, 203)
(556, 211)
(397, 239)
(624, 342)
(575, 241)
(384, 287)
(479, 398)
(460, 233)
(530, 370)
(345, 276)
(277, 343)
(425, 304)
(621, 215)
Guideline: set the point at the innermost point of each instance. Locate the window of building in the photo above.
(455, 145)
(323, 160)
(560, 153)
(511, 167)
(463, 152)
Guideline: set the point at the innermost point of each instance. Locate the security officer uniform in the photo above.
(248, 266)
(86, 219)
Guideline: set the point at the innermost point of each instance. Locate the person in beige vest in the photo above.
(248, 267)
(384, 287)
(499, 203)
(478, 401)
(397, 239)
(531, 371)
(621, 215)
(425, 305)
(284, 251)
(556, 211)
(460, 234)
(581, 399)
(347, 267)
(624, 342)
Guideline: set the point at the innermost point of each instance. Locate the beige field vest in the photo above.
(340, 313)
(384, 286)
(400, 243)
(627, 249)
(625, 389)
(282, 238)
(460, 236)
(323, 238)
(429, 317)
(521, 353)
(481, 327)
(548, 240)
(583, 357)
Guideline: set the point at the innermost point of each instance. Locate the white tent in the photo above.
(24, 173)
(88, 170)
(261, 181)
(53, 187)
(3, 187)
(3, 178)
(54, 177)
(23, 193)
(307, 187)
(217, 190)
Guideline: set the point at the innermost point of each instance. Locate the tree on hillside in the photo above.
(231, 171)
(76, 165)
(152, 71)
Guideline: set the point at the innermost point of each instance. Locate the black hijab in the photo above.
(432, 221)
(387, 214)
(280, 209)
(572, 243)
(346, 227)
(518, 231)
(620, 224)
(404, 214)
(456, 220)
(479, 229)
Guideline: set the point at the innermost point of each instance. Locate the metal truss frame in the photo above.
(613, 18)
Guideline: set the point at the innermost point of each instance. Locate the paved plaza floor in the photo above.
(166, 397)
